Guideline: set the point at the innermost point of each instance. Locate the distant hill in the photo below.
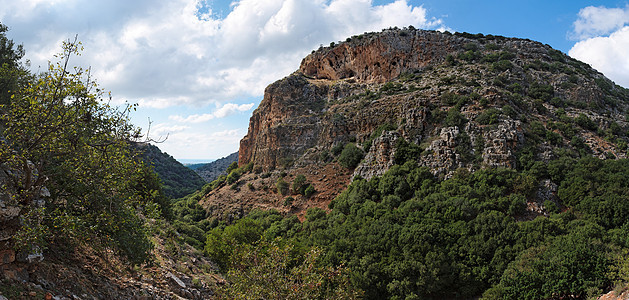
(195, 166)
(177, 180)
(212, 170)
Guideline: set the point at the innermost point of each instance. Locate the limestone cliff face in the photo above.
(469, 101)
(379, 58)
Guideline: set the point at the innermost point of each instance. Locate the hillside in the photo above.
(438, 166)
(176, 179)
(210, 171)
(468, 102)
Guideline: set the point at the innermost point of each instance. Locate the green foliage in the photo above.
(279, 270)
(176, 179)
(452, 99)
(299, 184)
(337, 149)
(220, 242)
(544, 92)
(585, 122)
(377, 133)
(573, 265)
(488, 116)
(351, 156)
(288, 201)
(232, 166)
(282, 187)
(309, 191)
(501, 66)
(405, 151)
(13, 76)
(80, 144)
(391, 88)
(454, 118)
(469, 55)
(509, 111)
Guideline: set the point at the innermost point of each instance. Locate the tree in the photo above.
(276, 270)
(350, 156)
(10, 68)
(63, 135)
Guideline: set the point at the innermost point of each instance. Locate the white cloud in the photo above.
(597, 21)
(200, 145)
(603, 41)
(224, 111)
(164, 53)
(608, 55)
(163, 129)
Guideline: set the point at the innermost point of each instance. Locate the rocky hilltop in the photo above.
(467, 101)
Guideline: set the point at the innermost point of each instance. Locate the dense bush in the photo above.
(585, 122)
(282, 187)
(61, 132)
(407, 233)
(454, 118)
(488, 116)
(351, 156)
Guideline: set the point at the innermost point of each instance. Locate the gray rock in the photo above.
(176, 280)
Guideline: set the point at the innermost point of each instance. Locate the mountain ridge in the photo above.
(469, 101)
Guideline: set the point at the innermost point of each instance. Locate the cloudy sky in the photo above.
(198, 68)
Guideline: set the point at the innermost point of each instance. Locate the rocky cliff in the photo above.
(468, 101)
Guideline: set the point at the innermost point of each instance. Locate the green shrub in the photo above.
(405, 151)
(454, 118)
(232, 166)
(336, 150)
(501, 65)
(544, 92)
(509, 111)
(299, 184)
(488, 116)
(282, 187)
(309, 191)
(351, 156)
(585, 122)
(288, 201)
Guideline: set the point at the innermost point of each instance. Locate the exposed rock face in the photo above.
(380, 58)
(379, 159)
(284, 126)
(468, 101)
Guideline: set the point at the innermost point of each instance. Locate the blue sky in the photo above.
(198, 68)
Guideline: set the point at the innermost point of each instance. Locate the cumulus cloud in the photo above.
(603, 41)
(226, 110)
(608, 54)
(597, 21)
(168, 52)
(220, 143)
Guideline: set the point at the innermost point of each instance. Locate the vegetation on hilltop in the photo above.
(176, 179)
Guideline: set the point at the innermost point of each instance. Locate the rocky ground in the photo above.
(176, 271)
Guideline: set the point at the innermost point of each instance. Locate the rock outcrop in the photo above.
(378, 58)
(468, 101)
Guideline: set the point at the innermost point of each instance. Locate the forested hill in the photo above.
(210, 171)
(177, 180)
